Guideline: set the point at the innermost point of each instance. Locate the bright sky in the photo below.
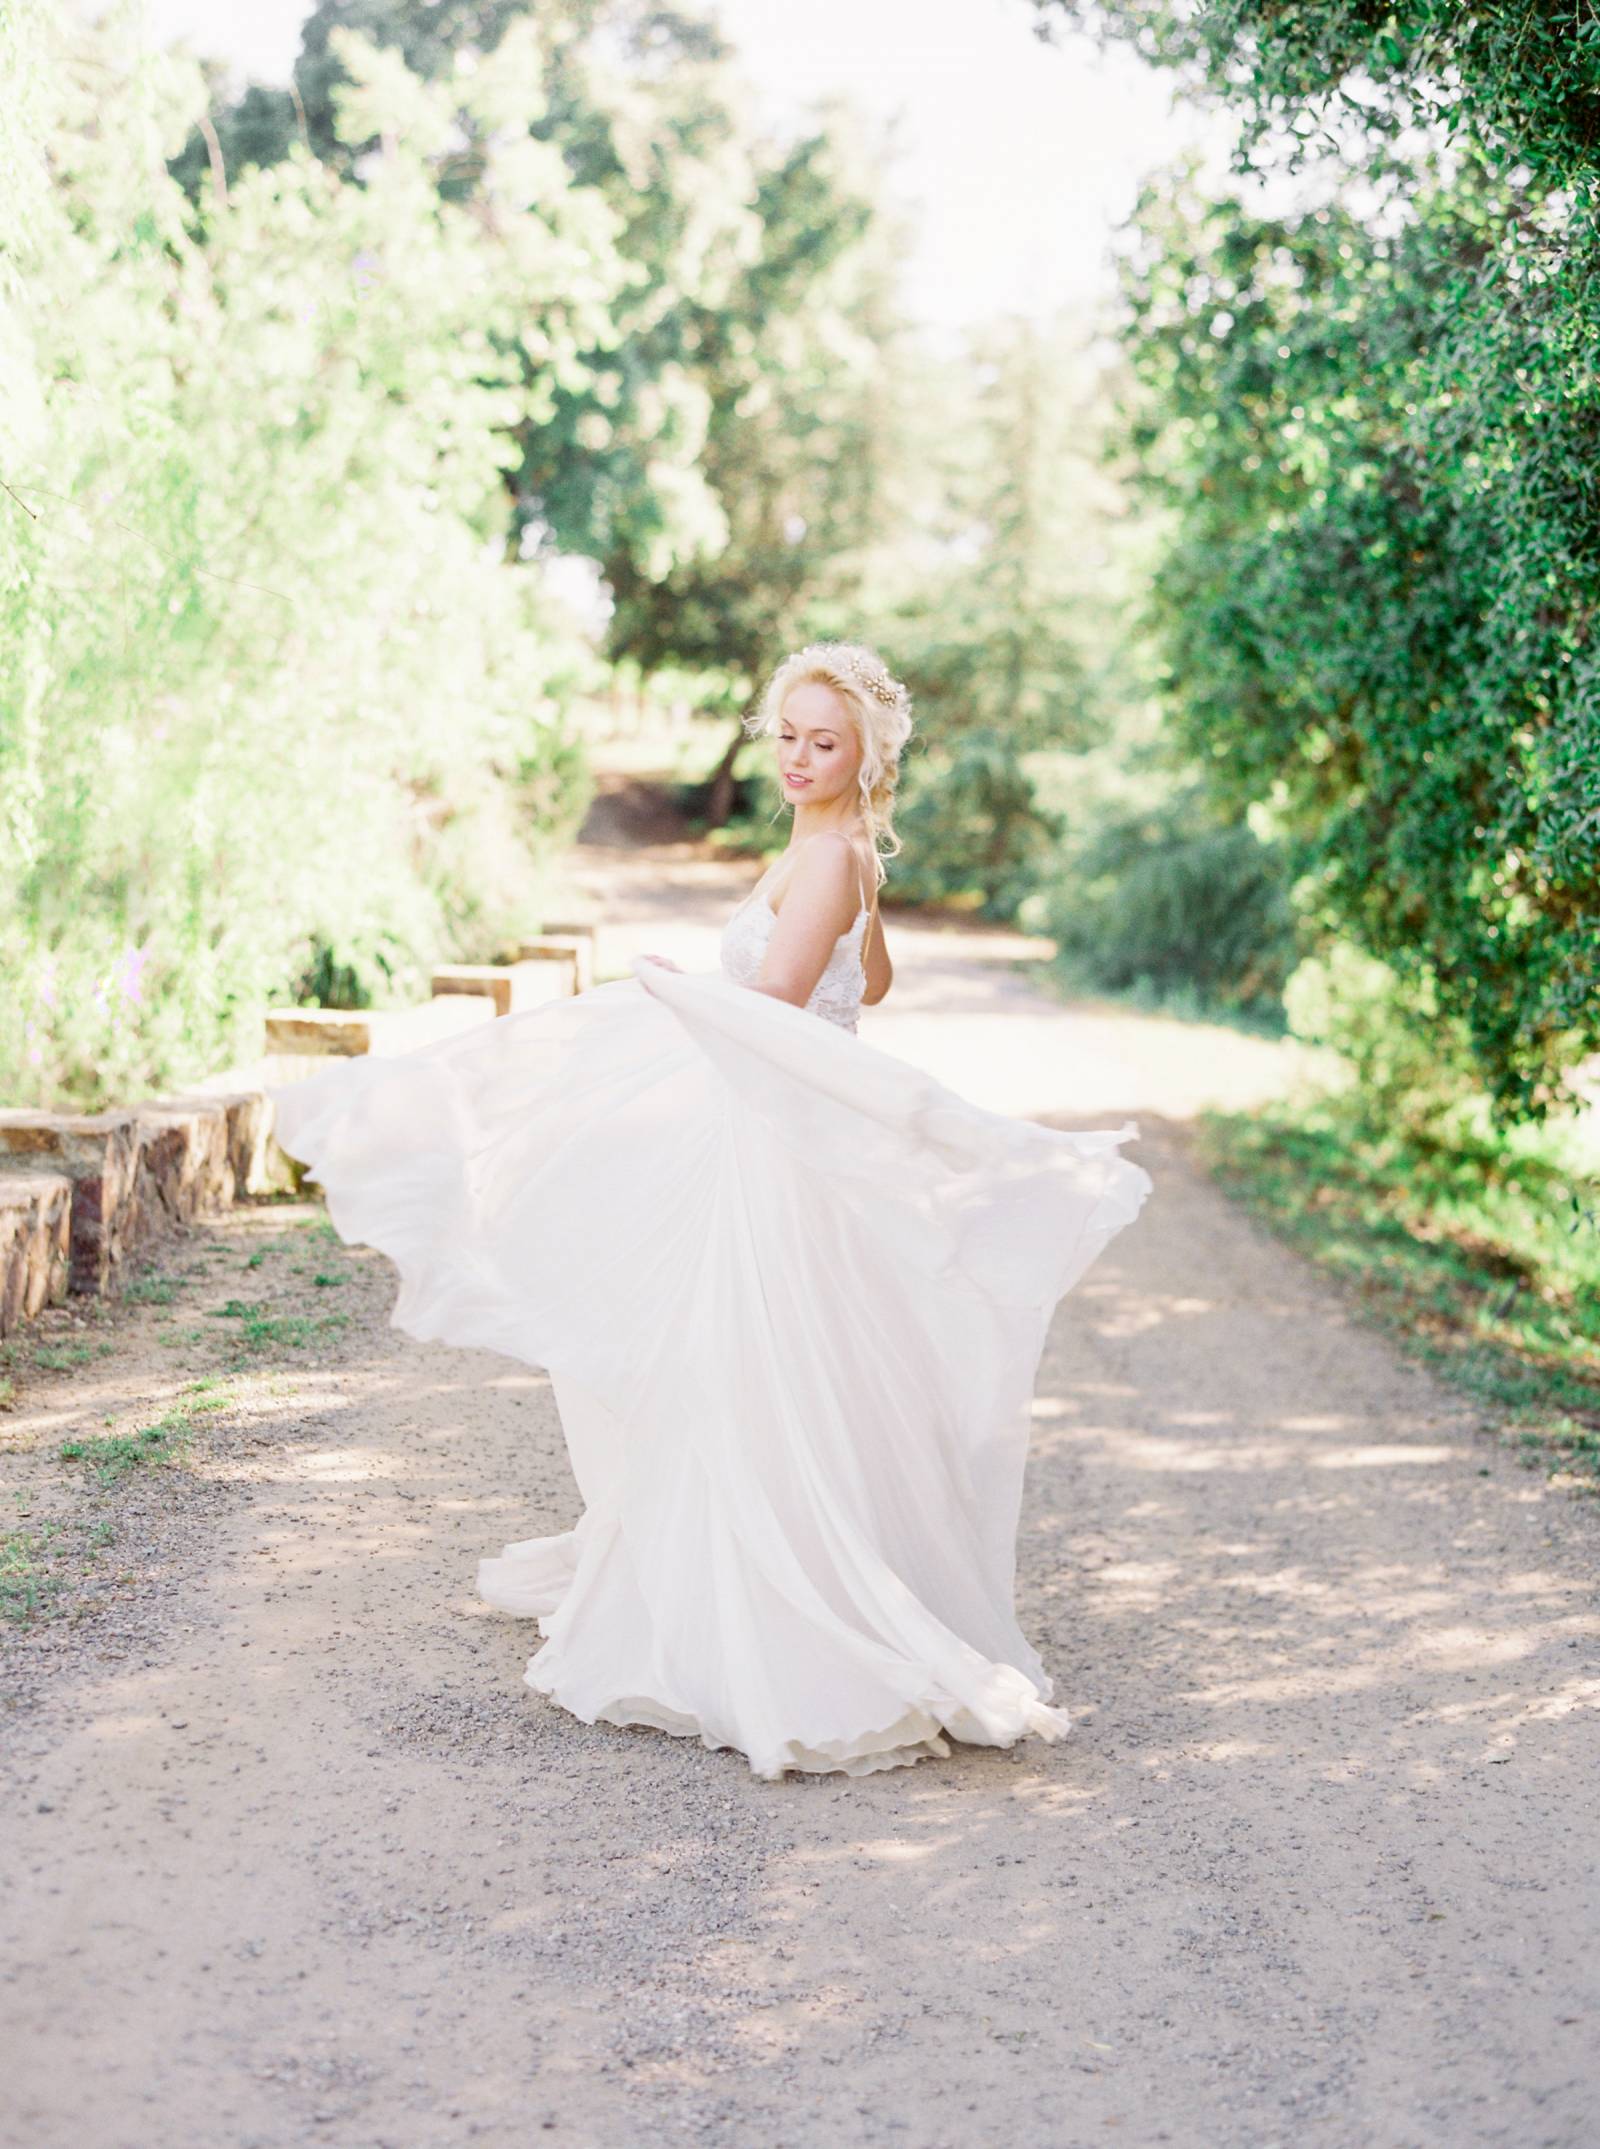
(1017, 158)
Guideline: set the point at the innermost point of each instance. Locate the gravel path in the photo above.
(293, 1856)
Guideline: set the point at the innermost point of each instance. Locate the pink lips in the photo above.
(799, 780)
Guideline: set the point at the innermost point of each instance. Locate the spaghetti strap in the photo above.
(856, 861)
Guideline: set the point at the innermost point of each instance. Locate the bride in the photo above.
(791, 1294)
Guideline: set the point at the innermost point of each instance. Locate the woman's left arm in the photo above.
(875, 961)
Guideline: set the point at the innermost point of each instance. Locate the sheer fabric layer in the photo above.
(792, 1294)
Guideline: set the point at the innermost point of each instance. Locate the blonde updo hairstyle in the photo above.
(880, 708)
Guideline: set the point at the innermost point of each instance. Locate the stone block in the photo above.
(586, 933)
(319, 1032)
(348, 1033)
(99, 1153)
(403, 1029)
(35, 1244)
(487, 981)
(570, 957)
(185, 1165)
(511, 986)
(260, 1166)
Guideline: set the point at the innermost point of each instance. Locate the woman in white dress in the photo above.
(791, 1293)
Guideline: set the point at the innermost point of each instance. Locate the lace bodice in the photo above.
(837, 993)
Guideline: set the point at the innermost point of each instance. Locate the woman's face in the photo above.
(819, 753)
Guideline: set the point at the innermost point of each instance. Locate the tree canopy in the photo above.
(1372, 424)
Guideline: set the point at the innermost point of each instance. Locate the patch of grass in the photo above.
(260, 1330)
(8, 1392)
(58, 1357)
(328, 1282)
(37, 1564)
(1480, 1257)
(255, 1260)
(27, 1584)
(151, 1290)
(112, 1455)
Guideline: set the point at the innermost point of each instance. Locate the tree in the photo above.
(714, 450)
(998, 595)
(272, 701)
(793, 367)
(1372, 425)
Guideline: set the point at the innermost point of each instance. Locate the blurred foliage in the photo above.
(715, 450)
(794, 366)
(1517, 84)
(1170, 904)
(991, 554)
(290, 428)
(276, 709)
(1412, 1064)
(997, 595)
(1371, 426)
(631, 102)
(974, 831)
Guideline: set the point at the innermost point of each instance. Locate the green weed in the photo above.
(57, 1358)
(1481, 1259)
(112, 1455)
(151, 1290)
(26, 1582)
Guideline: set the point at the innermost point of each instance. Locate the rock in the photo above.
(573, 952)
(510, 986)
(99, 1153)
(35, 1244)
(257, 1164)
(319, 1032)
(347, 1033)
(585, 934)
(185, 1169)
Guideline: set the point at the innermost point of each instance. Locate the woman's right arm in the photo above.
(821, 897)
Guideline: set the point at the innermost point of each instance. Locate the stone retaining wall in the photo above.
(82, 1193)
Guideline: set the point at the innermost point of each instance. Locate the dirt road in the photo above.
(293, 1856)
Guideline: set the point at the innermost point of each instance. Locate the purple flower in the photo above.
(133, 965)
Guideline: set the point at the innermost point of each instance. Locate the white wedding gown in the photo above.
(791, 1294)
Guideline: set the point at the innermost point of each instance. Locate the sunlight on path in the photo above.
(300, 1859)
(961, 1005)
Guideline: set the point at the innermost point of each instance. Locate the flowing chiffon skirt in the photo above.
(792, 1294)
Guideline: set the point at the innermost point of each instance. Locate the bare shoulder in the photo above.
(851, 862)
(827, 877)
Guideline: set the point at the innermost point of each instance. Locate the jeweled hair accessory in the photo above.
(877, 683)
